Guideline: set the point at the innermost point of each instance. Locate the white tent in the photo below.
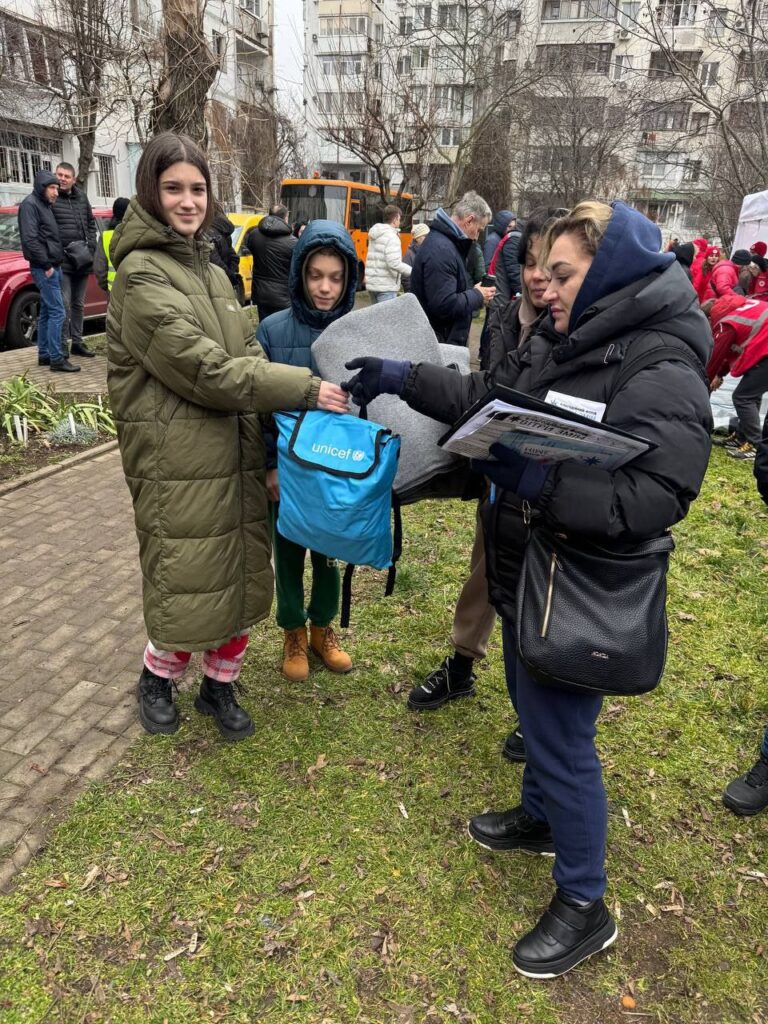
(753, 221)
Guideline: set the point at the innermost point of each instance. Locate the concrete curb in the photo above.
(46, 471)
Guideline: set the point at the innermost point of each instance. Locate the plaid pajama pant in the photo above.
(221, 664)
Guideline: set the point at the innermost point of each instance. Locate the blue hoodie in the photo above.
(496, 232)
(628, 251)
(287, 336)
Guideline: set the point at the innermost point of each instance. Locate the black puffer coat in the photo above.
(666, 403)
(271, 244)
(74, 216)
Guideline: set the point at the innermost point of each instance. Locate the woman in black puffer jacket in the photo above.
(610, 291)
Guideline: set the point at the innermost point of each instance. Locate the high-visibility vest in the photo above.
(106, 238)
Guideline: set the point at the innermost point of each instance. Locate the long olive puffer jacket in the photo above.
(187, 381)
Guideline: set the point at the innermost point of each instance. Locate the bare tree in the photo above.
(189, 71)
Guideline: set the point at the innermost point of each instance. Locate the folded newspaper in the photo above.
(540, 431)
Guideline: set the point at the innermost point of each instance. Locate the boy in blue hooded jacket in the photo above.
(322, 283)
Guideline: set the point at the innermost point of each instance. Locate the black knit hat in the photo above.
(684, 253)
(119, 207)
(741, 258)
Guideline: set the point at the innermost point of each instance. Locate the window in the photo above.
(420, 57)
(628, 15)
(341, 66)
(753, 67)
(677, 12)
(453, 98)
(252, 6)
(592, 58)
(655, 165)
(672, 117)
(709, 73)
(325, 102)
(622, 67)
(107, 176)
(453, 136)
(575, 10)
(338, 26)
(315, 202)
(37, 57)
(692, 170)
(21, 156)
(449, 58)
(424, 16)
(406, 25)
(219, 42)
(378, 32)
(449, 16)
(699, 122)
(662, 66)
(510, 25)
(15, 51)
(744, 115)
(717, 21)
(404, 64)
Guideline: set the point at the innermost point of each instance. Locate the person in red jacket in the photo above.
(701, 245)
(710, 261)
(740, 330)
(725, 276)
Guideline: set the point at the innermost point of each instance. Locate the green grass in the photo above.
(287, 886)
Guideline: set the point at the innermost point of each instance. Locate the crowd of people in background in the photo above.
(578, 302)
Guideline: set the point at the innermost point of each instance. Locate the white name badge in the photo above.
(581, 406)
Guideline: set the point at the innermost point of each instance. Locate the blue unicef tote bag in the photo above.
(336, 473)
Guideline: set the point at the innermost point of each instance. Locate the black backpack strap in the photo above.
(664, 348)
(346, 595)
(397, 544)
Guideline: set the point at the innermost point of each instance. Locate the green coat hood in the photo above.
(187, 381)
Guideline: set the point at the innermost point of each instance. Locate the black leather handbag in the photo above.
(590, 618)
(79, 257)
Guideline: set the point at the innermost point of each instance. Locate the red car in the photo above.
(19, 298)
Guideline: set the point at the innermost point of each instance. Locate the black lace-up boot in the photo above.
(219, 700)
(157, 712)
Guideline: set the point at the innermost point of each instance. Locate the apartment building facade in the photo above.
(37, 131)
(635, 84)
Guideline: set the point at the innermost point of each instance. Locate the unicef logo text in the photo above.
(339, 453)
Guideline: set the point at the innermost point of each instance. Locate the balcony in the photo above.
(340, 44)
(252, 30)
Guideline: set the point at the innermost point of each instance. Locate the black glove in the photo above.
(376, 377)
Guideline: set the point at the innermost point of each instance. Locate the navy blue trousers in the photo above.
(563, 778)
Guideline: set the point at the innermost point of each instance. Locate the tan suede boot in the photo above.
(325, 645)
(295, 662)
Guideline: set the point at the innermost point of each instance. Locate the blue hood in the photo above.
(500, 221)
(317, 234)
(629, 251)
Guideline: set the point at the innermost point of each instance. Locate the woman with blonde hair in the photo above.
(187, 381)
(613, 297)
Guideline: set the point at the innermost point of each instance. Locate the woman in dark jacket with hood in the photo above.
(610, 289)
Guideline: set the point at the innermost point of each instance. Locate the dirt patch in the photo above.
(16, 460)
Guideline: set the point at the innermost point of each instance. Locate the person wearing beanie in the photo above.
(609, 289)
(726, 275)
(322, 283)
(703, 286)
(503, 222)
(684, 254)
(418, 234)
(758, 249)
(102, 265)
(740, 331)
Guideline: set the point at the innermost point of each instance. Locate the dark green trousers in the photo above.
(289, 584)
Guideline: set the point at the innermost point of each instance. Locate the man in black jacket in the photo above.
(77, 224)
(439, 279)
(271, 243)
(41, 246)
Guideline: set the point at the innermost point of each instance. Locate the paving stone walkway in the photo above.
(92, 379)
(71, 639)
